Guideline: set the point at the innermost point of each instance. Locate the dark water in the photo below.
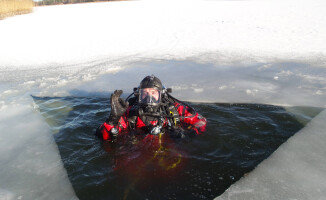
(238, 137)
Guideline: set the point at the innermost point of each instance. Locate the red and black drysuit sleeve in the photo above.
(105, 128)
(195, 121)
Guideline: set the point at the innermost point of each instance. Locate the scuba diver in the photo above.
(152, 110)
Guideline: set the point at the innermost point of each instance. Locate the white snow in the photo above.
(218, 31)
(251, 51)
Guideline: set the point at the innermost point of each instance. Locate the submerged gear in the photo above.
(156, 130)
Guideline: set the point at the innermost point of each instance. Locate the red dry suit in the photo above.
(130, 119)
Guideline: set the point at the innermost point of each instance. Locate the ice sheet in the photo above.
(31, 167)
(216, 31)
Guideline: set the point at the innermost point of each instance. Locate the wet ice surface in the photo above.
(30, 165)
(277, 83)
(270, 83)
(238, 137)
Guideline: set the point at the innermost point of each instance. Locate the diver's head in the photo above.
(150, 91)
(150, 94)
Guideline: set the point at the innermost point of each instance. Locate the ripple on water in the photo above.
(238, 137)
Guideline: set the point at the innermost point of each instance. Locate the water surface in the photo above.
(238, 137)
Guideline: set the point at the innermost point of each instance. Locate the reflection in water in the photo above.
(142, 161)
(238, 137)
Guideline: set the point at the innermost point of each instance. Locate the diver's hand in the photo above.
(177, 132)
(118, 107)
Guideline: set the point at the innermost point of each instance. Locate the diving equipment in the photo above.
(149, 96)
(156, 130)
(151, 82)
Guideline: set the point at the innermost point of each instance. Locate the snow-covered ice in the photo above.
(31, 167)
(216, 31)
(251, 51)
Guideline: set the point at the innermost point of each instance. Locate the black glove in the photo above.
(118, 107)
(177, 132)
